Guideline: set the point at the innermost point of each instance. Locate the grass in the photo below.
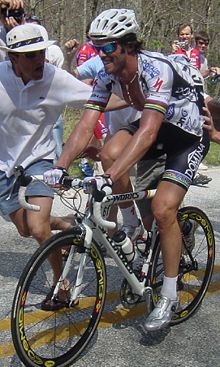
(213, 156)
(71, 117)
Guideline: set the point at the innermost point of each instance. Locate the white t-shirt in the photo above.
(54, 55)
(28, 113)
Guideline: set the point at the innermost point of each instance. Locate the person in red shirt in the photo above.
(85, 52)
(183, 46)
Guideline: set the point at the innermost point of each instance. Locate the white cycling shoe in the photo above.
(161, 315)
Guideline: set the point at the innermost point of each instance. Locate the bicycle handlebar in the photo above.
(67, 182)
(91, 188)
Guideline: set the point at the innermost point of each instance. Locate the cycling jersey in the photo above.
(192, 54)
(173, 88)
(85, 53)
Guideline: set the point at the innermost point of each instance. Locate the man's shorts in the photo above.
(184, 152)
(149, 173)
(9, 191)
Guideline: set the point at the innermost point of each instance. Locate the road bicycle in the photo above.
(58, 338)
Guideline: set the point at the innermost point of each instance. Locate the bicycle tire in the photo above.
(193, 279)
(57, 338)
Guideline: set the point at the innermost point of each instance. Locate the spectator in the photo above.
(184, 44)
(54, 56)
(35, 93)
(85, 52)
(202, 42)
(11, 15)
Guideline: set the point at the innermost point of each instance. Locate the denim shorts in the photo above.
(9, 191)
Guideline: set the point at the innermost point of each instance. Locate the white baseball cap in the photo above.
(27, 38)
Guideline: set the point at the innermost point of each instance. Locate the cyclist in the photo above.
(170, 96)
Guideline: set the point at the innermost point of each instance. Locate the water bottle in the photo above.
(143, 243)
(126, 246)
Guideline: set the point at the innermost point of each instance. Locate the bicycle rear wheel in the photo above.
(57, 338)
(196, 264)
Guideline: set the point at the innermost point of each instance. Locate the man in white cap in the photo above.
(34, 93)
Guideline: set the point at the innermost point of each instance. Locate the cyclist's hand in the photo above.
(103, 183)
(54, 176)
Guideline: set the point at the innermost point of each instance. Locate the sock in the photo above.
(169, 287)
(129, 216)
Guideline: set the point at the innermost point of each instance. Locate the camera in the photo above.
(181, 44)
(17, 14)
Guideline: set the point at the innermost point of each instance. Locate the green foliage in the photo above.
(71, 117)
(155, 44)
(213, 156)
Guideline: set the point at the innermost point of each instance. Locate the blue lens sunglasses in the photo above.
(108, 48)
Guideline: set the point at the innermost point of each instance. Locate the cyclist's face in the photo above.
(186, 35)
(112, 55)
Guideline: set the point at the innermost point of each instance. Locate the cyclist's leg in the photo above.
(181, 165)
(149, 173)
(165, 205)
(110, 152)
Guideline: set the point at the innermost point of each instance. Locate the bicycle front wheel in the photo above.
(196, 263)
(57, 338)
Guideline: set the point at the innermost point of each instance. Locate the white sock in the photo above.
(169, 287)
(129, 216)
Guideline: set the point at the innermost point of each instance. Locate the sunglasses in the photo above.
(203, 43)
(33, 54)
(108, 48)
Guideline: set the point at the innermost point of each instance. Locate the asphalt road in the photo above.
(119, 341)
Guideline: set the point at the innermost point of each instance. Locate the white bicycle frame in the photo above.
(93, 226)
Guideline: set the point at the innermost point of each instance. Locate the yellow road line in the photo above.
(107, 320)
(39, 315)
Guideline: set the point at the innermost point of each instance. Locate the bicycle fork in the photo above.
(76, 289)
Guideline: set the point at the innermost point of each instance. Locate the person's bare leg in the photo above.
(37, 224)
(164, 206)
(62, 223)
(109, 153)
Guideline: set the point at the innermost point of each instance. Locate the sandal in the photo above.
(55, 304)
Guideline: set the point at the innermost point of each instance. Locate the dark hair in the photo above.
(182, 26)
(33, 19)
(130, 39)
(201, 35)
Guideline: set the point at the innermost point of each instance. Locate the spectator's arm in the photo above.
(71, 47)
(12, 4)
(209, 125)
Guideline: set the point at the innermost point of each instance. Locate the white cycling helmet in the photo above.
(113, 23)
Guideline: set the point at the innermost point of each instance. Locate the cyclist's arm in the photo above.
(115, 103)
(79, 138)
